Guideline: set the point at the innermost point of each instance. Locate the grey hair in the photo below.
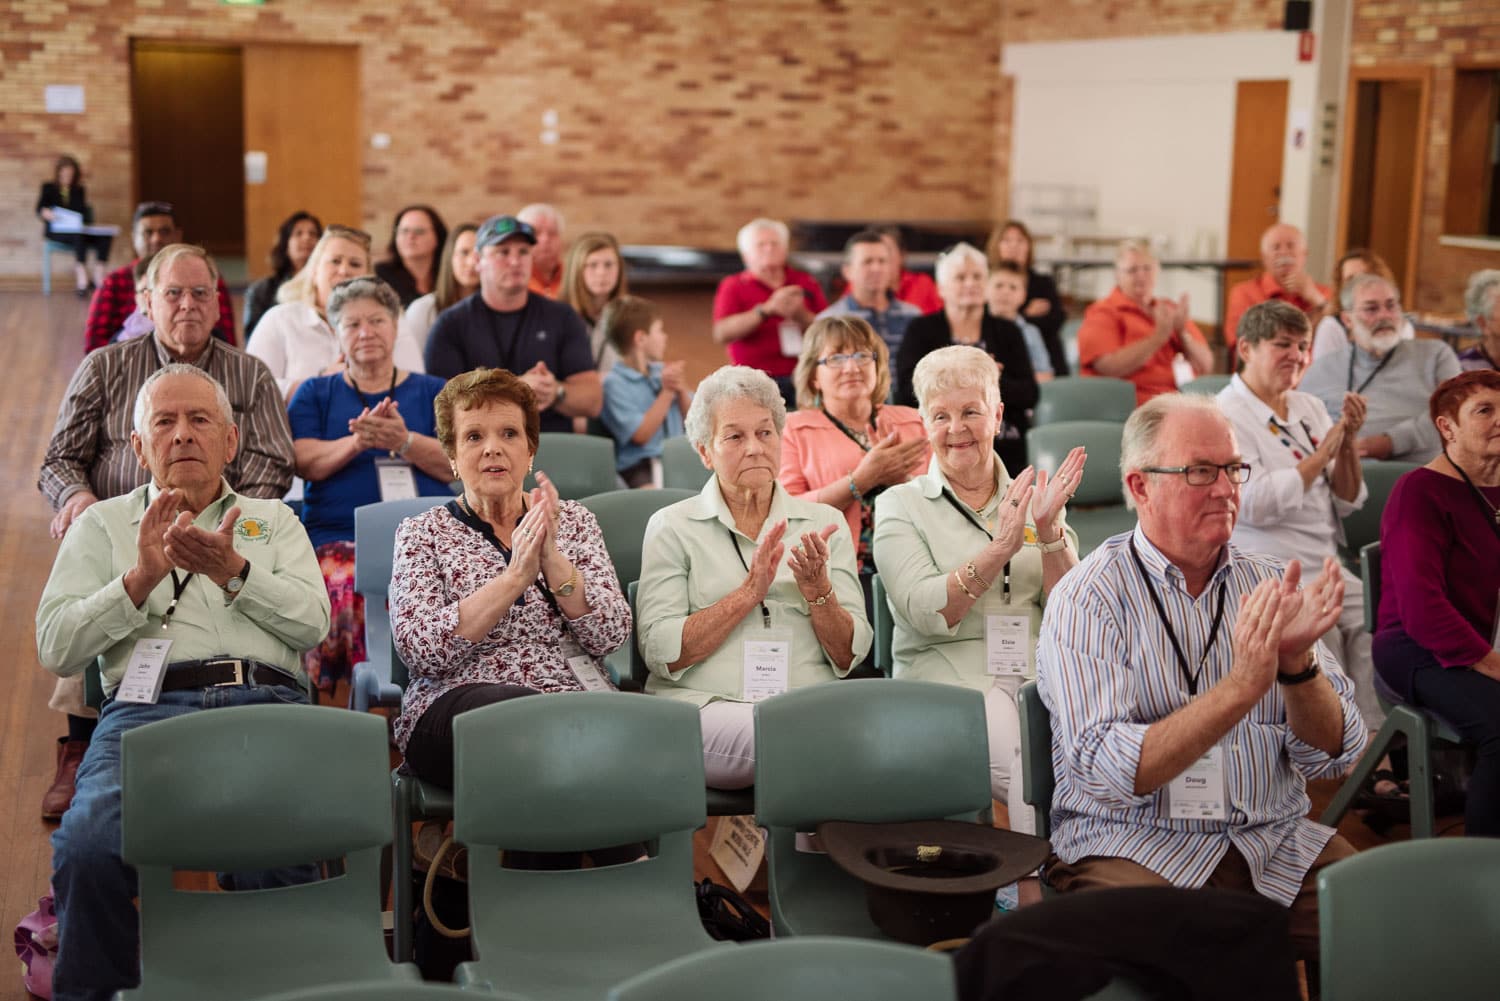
(1265, 320)
(732, 382)
(356, 289)
(955, 257)
(1481, 293)
(143, 395)
(958, 366)
(537, 210)
(1359, 281)
(1140, 442)
(174, 252)
(746, 236)
(1128, 247)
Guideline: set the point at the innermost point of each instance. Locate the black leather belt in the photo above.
(221, 671)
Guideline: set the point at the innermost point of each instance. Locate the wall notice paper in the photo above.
(739, 847)
(63, 98)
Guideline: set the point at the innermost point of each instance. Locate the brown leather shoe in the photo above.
(69, 756)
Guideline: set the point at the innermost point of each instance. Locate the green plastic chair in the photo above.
(885, 628)
(814, 968)
(590, 770)
(872, 750)
(1038, 782)
(391, 992)
(681, 466)
(1097, 510)
(623, 515)
(1205, 385)
(247, 788)
(1083, 398)
(1415, 919)
(579, 465)
(1362, 527)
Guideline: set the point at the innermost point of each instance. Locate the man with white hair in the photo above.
(1283, 258)
(1190, 698)
(1395, 377)
(1482, 303)
(547, 256)
(761, 312)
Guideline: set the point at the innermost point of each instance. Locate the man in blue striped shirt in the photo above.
(1190, 698)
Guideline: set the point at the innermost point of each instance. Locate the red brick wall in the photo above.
(1074, 20)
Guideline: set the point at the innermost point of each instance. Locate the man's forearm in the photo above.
(1174, 742)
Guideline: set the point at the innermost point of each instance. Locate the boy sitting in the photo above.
(1005, 294)
(644, 395)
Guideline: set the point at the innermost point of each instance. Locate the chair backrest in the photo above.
(384, 991)
(375, 541)
(622, 518)
(1036, 756)
(681, 465)
(1369, 573)
(1081, 398)
(1047, 446)
(885, 628)
(812, 968)
(1205, 385)
(1412, 919)
(1362, 527)
(579, 465)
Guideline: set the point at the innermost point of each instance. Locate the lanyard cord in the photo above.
(968, 516)
(1488, 508)
(1353, 353)
(178, 586)
(765, 613)
(1213, 633)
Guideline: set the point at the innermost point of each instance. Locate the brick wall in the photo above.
(1075, 20)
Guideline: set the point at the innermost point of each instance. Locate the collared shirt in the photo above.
(85, 612)
(628, 394)
(920, 538)
(115, 301)
(761, 348)
(548, 287)
(1278, 515)
(90, 447)
(1263, 288)
(688, 563)
(1117, 321)
(890, 323)
(1107, 671)
(297, 344)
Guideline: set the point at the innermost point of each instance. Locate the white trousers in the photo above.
(1350, 643)
(728, 744)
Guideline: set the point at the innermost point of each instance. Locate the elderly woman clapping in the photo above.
(967, 555)
(745, 591)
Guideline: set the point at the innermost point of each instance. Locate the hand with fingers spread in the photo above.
(1309, 611)
(1010, 533)
(1257, 635)
(1052, 494)
(198, 550)
(767, 559)
(809, 563)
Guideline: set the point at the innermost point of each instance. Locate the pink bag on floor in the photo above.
(36, 944)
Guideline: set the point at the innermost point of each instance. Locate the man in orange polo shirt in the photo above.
(1283, 255)
(547, 255)
(1131, 334)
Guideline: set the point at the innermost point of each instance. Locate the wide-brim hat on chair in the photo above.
(931, 880)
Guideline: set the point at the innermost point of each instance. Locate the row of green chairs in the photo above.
(1102, 398)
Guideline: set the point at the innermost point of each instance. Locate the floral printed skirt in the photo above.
(336, 656)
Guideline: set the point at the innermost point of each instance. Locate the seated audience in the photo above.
(1284, 277)
(412, 262)
(1003, 294)
(363, 435)
(458, 278)
(294, 338)
(1394, 376)
(507, 325)
(1482, 303)
(1330, 332)
(1131, 334)
(867, 273)
(66, 191)
(761, 312)
(546, 257)
(502, 592)
(1044, 306)
(722, 641)
(1305, 475)
(1435, 634)
(183, 558)
(593, 277)
(968, 556)
(1190, 699)
(908, 286)
(963, 320)
(645, 396)
(295, 240)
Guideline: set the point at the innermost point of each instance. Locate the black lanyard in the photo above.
(365, 397)
(1213, 632)
(460, 509)
(1354, 353)
(765, 613)
(868, 497)
(1492, 513)
(178, 586)
(968, 515)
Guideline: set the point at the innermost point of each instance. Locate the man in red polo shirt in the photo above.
(1131, 334)
(761, 312)
(1283, 255)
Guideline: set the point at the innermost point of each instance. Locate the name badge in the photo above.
(1007, 644)
(1198, 793)
(768, 658)
(397, 481)
(584, 667)
(790, 336)
(145, 672)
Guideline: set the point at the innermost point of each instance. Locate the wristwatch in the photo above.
(562, 394)
(1059, 543)
(567, 587)
(235, 584)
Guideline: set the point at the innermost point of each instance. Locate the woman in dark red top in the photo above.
(1435, 637)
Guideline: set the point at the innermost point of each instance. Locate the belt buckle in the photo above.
(239, 673)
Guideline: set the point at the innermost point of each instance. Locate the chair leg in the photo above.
(1395, 722)
(46, 269)
(1419, 781)
(402, 904)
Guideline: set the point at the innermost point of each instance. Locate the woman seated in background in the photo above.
(961, 274)
(1330, 333)
(363, 435)
(1482, 303)
(458, 278)
(500, 593)
(1044, 306)
(411, 265)
(593, 277)
(968, 555)
(66, 191)
(728, 616)
(1435, 635)
(294, 338)
(295, 240)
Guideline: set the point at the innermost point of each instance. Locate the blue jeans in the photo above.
(98, 934)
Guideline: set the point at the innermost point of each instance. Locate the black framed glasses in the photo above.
(1203, 474)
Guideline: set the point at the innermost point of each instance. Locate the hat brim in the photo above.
(957, 857)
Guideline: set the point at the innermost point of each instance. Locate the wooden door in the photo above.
(1255, 174)
(302, 110)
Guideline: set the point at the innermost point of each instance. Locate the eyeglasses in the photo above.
(200, 293)
(1205, 474)
(844, 361)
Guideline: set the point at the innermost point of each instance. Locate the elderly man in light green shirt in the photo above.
(229, 582)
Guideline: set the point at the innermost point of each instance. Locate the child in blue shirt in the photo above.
(1005, 293)
(644, 395)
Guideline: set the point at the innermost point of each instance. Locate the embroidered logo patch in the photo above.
(1028, 536)
(253, 529)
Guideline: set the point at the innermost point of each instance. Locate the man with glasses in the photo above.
(153, 227)
(90, 457)
(1190, 698)
(1394, 377)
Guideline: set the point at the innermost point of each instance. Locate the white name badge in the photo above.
(1198, 793)
(1007, 644)
(583, 666)
(768, 658)
(791, 339)
(397, 481)
(145, 672)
